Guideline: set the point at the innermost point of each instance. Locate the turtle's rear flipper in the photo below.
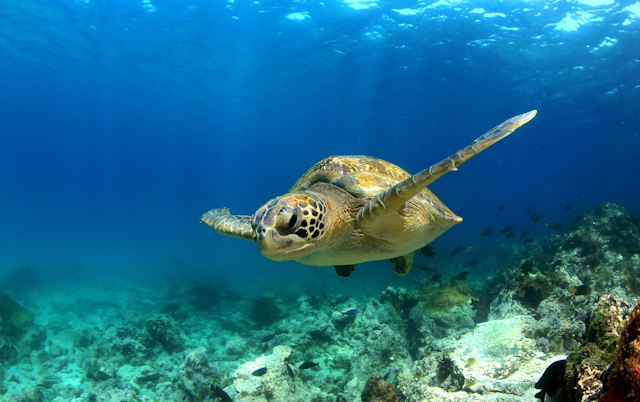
(345, 271)
(393, 198)
(226, 224)
(403, 264)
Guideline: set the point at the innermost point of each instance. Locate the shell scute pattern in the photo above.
(361, 176)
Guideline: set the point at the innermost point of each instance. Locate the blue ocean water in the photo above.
(123, 121)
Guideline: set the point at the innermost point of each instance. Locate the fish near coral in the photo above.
(507, 229)
(307, 365)
(221, 394)
(260, 372)
(455, 251)
(347, 210)
(552, 378)
(486, 232)
(428, 251)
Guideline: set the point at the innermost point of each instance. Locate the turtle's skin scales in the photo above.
(346, 210)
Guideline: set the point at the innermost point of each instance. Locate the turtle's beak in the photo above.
(278, 247)
(271, 243)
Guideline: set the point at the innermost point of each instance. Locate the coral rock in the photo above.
(586, 365)
(196, 377)
(378, 390)
(623, 381)
(166, 332)
(274, 383)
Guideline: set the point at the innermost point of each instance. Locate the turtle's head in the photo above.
(289, 227)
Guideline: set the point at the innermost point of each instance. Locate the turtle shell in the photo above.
(361, 176)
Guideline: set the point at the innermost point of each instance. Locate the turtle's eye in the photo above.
(292, 221)
(287, 219)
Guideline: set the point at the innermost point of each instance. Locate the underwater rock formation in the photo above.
(166, 332)
(586, 364)
(623, 379)
(498, 361)
(559, 279)
(14, 319)
(270, 378)
(196, 377)
(267, 309)
(419, 341)
(378, 390)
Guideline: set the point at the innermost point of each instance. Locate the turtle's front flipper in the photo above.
(392, 199)
(226, 224)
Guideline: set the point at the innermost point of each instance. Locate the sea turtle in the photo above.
(346, 210)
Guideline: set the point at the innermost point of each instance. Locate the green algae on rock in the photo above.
(447, 297)
(267, 309)
(14, 319)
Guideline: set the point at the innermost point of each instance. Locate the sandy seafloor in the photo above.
(437, 340)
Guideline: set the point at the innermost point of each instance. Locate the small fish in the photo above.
(470, 263)
(529, 240)
(424, 268)
(290, 370)
(581, 290)
(507, 229)
(552, 378)
(556, 226)
(268, 337)
(500, 207)
(428, 251)
(633, 250)
(524, 234)
(260, 372)
(461, 276)
(567, 207)
(471, 249)
(219, 392)
(486, 232)
(455, 251)
(527, 267)
(535, 218)
(436, 277)
(353, 311)
(307, 365)
(511, 234)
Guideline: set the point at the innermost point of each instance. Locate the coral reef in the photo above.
(14, 319)
(377, 389)
(270, 378)
(623, 379)
(267, 309)
(166, 332)
(425, 341)
(443, 299)
(586, 364)
(196, 377)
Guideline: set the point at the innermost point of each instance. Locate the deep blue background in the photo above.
(121, 123)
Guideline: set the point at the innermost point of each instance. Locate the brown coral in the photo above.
(623, 382)
(378, 390)
(586, 365)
